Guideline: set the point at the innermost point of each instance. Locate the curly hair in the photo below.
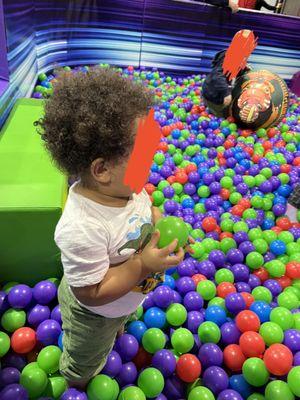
(91, 115)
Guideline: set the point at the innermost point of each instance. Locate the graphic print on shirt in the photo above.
(137, 239)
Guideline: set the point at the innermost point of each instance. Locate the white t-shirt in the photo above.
(92, 237)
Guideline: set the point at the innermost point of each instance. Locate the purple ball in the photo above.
(161, 397)
(207, 268)
(193, 301)
(14, 360)
(38, 314)
(241, 272)
(216, 379)
(14, 392)
(235, 303)
(56, 314)
(296, 362)
(273, 286)
(194, 319)
(48, 332)
(8, 376)
(254, 281)
(235, 256)
(37, 95)
(128, 374)
(4, 305)
(240, 237)
(44, 292)
(229, 394)
(127, 346)
(242, 287)
(113, 364)
(292, 339)
(170, 206)
(246, 247)
(163, 296)
(165, 362)
(185, 285)
(217, 257)
(20, 296)
(73, 394)
(149, 301)
(210, 354)
(174, 388)
(186, 268)
(176, 297)
(230, 333)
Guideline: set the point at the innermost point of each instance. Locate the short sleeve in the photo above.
(84, 253)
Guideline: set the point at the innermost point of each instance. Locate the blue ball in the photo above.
(284, 190)
(239, 383)
(169, 281)
(267, 224)
(216, 314)
(60, 339)
(154, 317)
(188, 203)
(171, 271)
(277, 247)
(137, 329)
(262, 310)
(176, 134)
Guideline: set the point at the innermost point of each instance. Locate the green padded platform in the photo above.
(32, 196)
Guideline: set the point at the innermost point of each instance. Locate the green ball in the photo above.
(224, 275)
(182, 340)
(209, 244)
(261, 246)
(198, 250)
(207, 289)
(282, 317)
(261, 293)
(197, 234)
(297, 321)
(4, 343)
(235, 197)
(286, 237)
(217, 301)
(269, 236)
(293, 380)
(255, 233)
(48, 359)
(56, 281)
(288, 300)
(162, 184)
(203, 191)
(271, 333)
(227, 226)
(209, 332)
(227, 243)
(256, 396)
(56, 386)
(276, 268)
(42, 77)
(257, 202)
(178, 188)
(34, 380)
(171, 228)
(255, 372)
(176, 314)
(153, 340)
(240, 226)
(201, 393)
(254, 260)
(159, 158)
(249, 214)
(249, 181)
(278, 390)
(102, 387)
(267, 204)
(226, 182)
(151, 381)
(199, 209)
(158, 198)
(13, 319)
(292, 248)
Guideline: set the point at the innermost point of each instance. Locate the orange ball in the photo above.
(234, 357)
(293, 270)
(252, 344)
(249, 299)
(278, 359)
(225, 288)
(247, 320)
(23, 340)
(198, 278)
(188, 368)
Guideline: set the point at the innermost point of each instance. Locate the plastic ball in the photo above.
(206, 289)
(230, 333)
(151, 382)
(215, 314)
(255, 372)
(132, 393)
(34, 380)
(38, 314)
(234, 358)
(48, 332)
(292, 339)
(293, 381)
(252, 344)
(13, 319)
(247, 321)
(171, 228)
(209, 332)
(176, 314)
(14, 391)
(162, 296)
(235, 303)
(188, 368)
(165, 362)
(154, 317)
(200, 392)
(153, 340)
(229, 394)
(182, 340)
(282, 317)
(4, 343)
(20, 296)
(137, 329)
(277, 390)
(278, 359)
(216, 379)
(23, 340)
(44, 292)
(210, 354)
(262, 310)
(8, 376)
(127, 346)
(102, 387)
(128, 374)
(271, 333)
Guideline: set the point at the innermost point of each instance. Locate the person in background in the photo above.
(232, 4)
(256, 5)
(293, 205)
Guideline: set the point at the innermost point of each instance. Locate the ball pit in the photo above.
(229, 313)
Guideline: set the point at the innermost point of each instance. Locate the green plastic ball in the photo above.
(34, 380)
(151, 381)
(261, 293)
(255, 233)
(4, 343)
(240, 226)
(256, 396)
(102, 387)
(203, 191)
(288, 300)
(227, 243)
(56, 386)
(201, 393)
(255, 372)
(293, 380)
(254, 260)
(217, 301)
(13, 319)
(206, 289)
(209, 332)
(158, 198)
(276, 268)
(197, 250)
(182, 340)
(153, 340)
(271, 333)
(269, 236)
(282, 317)
(261, 246)
(278, 390)
(224, 275)
(176, 314)
(48, 359)
(171, 228)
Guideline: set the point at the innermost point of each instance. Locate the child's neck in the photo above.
(99, 197)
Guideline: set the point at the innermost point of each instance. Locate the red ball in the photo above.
(293, 270)
(181, 177)
(142, 359)
(188, 368)
(166, 130)
(190, 168)
(284, 281)
(209, 224)
(198, 278)
(225, 193)
(163, 146)
(262, 274)
(284, 223)
(252, 344)
(285, 168)
(296, 161)
(224, 235)
(171, 179)
(237, 210)
(149, 187)
(249, 299)
(245, 203)
(23, 340)
(225, 288)
(234, 357)
(278, 359)
(247, 320)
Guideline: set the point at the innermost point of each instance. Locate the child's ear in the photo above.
(100, 171)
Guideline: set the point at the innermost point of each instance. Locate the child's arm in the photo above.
(156, 214)
(122, 279)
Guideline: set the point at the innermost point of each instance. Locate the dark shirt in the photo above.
(262, 3)
(294, 198)
(216, 86)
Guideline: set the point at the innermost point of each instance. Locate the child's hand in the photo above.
(159, 260)
(227, 100)
(156, 214)
(233, 5)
